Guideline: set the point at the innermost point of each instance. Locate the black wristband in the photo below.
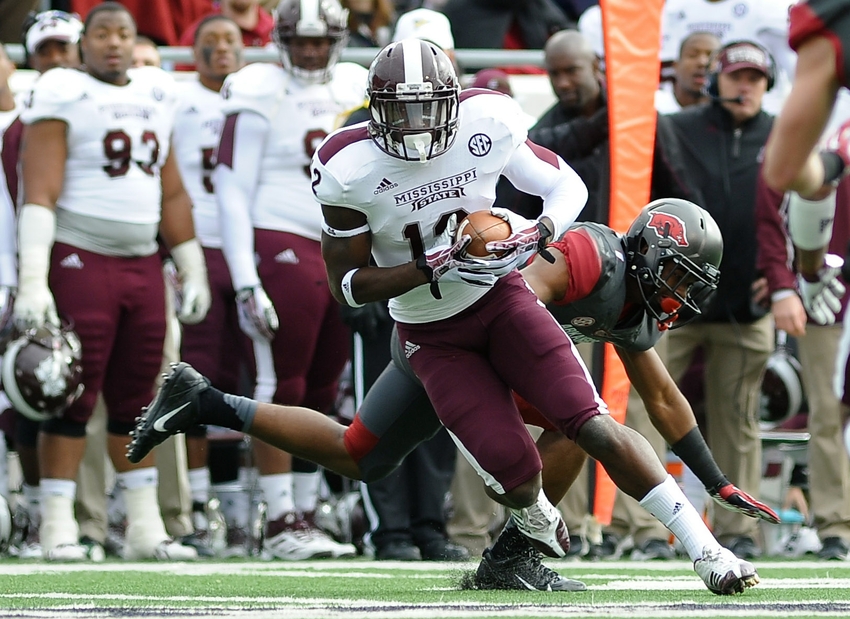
(833, 166)
(693, 451)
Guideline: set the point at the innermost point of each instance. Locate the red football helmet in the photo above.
(42, 373)
(310, 19)
(677, 232)
(413, 100)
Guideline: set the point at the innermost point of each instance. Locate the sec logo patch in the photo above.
(480, 144)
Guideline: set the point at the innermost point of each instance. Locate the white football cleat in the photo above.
(724, 573)
(544, 527)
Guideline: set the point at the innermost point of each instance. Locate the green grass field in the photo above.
(376, 590)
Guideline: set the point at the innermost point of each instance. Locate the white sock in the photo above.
(58, 525)
(305, 490)
(277, 491)
(199, 484)
(668, 504)
(235, 503)
(145, 529)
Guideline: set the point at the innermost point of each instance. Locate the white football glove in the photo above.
(195, 297)
(527, 237)
(34, 304)
(444, 262)
(822, 299)
(257, 317)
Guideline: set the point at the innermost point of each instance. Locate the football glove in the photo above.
(444, 262)
(527, 237)
(195, 297)
(733, 498)
(822, 299)
(34, 305)
(257, 317)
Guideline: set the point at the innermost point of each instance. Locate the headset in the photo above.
(711, 87)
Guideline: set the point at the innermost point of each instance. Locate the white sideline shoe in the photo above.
(166, 550)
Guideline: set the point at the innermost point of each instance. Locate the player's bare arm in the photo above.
(44, 148)
(176, 226)
(790, 161)
(344, 254)
(668, 409)
(549, 281)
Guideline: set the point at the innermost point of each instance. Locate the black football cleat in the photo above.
(524, 570)
(175, 408)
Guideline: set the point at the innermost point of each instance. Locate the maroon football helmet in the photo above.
(310, 19)
(42, 373)
(678, 232)
(413, 100)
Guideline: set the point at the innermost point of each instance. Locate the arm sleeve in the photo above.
(775, 252)
(536, 170)
(235, 178)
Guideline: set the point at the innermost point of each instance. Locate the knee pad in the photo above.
(64, 427)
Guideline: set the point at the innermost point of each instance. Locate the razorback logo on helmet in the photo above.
(669, 226)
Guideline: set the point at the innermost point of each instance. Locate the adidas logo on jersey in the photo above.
(72, 262)
(384, 185)
(409, 349)
(287, 256)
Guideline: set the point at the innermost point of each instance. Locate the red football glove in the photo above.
(839, 143)
(736, 500)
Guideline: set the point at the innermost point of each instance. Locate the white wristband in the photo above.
(344, 234)
(189, 258)
(36, 234)
(810, 221)
(346, 289)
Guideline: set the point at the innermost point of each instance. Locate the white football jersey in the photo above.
(300, 116)
(407, 204)
(118, 140)
(196, 133)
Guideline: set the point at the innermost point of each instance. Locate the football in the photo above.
(483, 227)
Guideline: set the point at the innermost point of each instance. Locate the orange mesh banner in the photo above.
(632, 35)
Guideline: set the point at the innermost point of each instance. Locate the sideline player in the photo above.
(416, 120)
(98, 185)
(820, 34)
(271, 228)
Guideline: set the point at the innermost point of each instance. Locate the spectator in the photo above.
(253, 20)
(691, 70)
(161, 20)
(716, 149)
(504, 24)
(369, 22)
(270, 239)
(58, 126)
(145, 53)
(427, 25)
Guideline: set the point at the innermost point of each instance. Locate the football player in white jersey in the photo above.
(392, 189)
(271, 227)
(763, 21)
(98, 185)
(216, 344)
(50, 40)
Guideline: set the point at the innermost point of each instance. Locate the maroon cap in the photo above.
(743, 56)
(494, 79)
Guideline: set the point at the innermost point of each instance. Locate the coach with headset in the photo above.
(716, 149)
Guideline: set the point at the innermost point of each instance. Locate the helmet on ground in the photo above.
(310, 19)
(782, 395)
(413, 100)
(673, 249)
(41, 371)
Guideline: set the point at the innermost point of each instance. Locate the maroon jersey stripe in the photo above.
(9, 155)
(225, 145)
(340, 140)
(544, 154)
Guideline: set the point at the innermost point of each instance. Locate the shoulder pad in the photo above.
(478, 104)
(257, 87)
(51, 92)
